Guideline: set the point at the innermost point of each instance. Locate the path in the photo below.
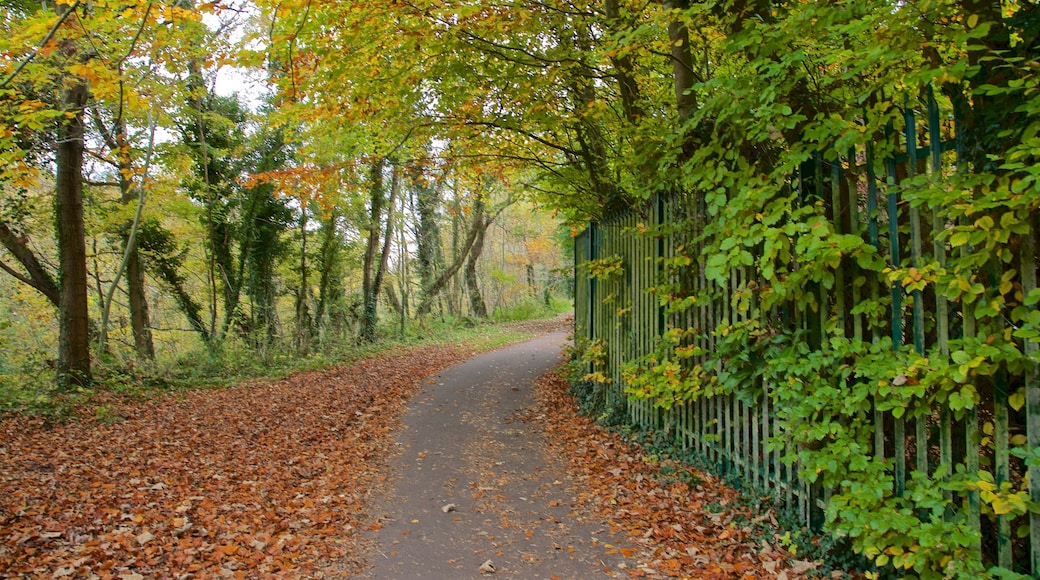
(474, 493)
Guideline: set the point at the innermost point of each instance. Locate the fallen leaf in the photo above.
(803, 566)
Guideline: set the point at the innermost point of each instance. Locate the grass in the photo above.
(234, 363)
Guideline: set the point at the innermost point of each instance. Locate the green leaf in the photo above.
(959, 239)
(1017, 399)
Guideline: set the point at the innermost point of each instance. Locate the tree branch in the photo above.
(39, 278)
(46, 39)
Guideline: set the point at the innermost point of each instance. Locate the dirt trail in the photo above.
(473, 490)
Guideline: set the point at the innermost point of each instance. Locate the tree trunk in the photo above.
(131, 264)
(403, 270)
(303, 319)
(624, 69)
(329, 286)
(427, 234)
(371, 278)
(74, 321)
(683, 76)
(480, 225)
(139, 322)
(454, 306)
(477, 307)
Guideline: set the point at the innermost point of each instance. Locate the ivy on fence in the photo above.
(838, 302)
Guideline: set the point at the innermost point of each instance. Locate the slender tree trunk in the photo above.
(303, 319)
(328, 284)
(139, 322)
(139, 319)
(683, 75)
(388, 235)
(631, 99)
(403, 269)
(427, 234)
(370, 281)
(454, 308)
(74, 320)
(477, 307)
(131, 264)
(481, 222)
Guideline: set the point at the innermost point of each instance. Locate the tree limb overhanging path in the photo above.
(474, 490)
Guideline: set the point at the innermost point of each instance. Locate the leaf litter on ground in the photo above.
(261, 480)
(687, 525)
(273, 480)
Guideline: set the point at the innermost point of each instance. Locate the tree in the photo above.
(265, 218)
(58, 72)
(426, 202)
(74, 319)
(481, 221)
(377, 250)
(105, 65)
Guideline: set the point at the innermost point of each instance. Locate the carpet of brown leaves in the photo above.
(265, 480)
(689, 531)
(274, 480)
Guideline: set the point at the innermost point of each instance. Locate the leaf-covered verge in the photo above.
(268, 479)
(232, 365)
(688, 523)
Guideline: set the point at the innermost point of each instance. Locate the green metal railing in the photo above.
(861, 194)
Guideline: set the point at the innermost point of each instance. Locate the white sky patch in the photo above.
(249, 85)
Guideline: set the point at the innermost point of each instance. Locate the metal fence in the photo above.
(860, 195)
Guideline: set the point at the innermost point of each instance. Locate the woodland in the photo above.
(399, 165)
(153, 219)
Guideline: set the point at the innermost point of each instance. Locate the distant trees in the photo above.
(176, 208)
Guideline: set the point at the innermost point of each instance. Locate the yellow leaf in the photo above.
(1017, 399)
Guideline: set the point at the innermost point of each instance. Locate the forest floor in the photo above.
(284, 479)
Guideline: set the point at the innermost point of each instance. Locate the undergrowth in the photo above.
(31, 389)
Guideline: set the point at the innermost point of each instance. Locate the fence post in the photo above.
(1032, 384)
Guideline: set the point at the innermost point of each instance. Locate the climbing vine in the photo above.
(853, 240)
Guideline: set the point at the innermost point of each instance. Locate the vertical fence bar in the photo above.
(745, 441)
(874, 237)
(1032, 384)
(972, 437)
(839, 272)
(942, 314)
(707, 416)
(1002, 465)
(899, 424)
(716, 441)
(730, 434)
(916, 245)
(857, 229)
